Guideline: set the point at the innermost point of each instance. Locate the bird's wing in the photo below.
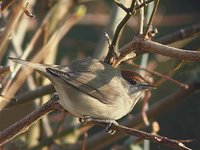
(84, 81)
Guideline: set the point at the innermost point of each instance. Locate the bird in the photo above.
(91, 89)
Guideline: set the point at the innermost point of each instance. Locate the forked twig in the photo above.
(130, 11)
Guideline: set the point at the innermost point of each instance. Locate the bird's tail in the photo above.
(36, 66)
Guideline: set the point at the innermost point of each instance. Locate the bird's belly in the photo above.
(81, 104)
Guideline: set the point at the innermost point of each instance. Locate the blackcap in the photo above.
(92, 89)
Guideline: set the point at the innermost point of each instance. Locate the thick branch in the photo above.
(23, 124)
(154, 47)
(138, 45)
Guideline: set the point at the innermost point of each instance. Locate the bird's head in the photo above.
(136, 81)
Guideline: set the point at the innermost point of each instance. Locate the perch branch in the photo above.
(23, 124)
(154, 138)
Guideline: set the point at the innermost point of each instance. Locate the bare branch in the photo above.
(23, 124)
(30, 95)
(110, 58)
(182, 85)
(143, 4)
(157, 48)
(151, 18)
(122, 6)
(115, 39)
(154, 138)
(180, 34)
(138, 45)
(11, 24)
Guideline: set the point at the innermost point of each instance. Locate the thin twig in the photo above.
(141, 19)
(122, 6)
(85, 136)
(56, 37)
(80, 131)
(117, 33)
(11, 24)
(151, 18)
(30, 95)
(112, 52)
(27, 12)
(145, 3)
(182, 85)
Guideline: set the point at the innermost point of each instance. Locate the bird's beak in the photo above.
(146, 86)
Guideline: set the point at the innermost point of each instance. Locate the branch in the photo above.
(115, 39)
(154, 138)
(151, 18)
(110, 57)
(180, 34)
(138, 45)
(14, 17)
(23, 124)
(154, 111)
(154, 47)
(30, 95)
(11, 88)
(182, 85)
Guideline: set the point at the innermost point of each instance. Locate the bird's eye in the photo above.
(132, 82)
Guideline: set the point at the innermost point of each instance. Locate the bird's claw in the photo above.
(109, 123)
(109, 129)
(85, 119)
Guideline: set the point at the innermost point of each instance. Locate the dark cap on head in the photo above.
(134, 78)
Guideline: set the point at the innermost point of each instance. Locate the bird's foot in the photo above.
(109, 128)
(85, 119)
(109, 123)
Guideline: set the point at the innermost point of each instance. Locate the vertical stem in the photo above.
(151, 18)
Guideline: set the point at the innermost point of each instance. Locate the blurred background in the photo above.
(59, 31)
